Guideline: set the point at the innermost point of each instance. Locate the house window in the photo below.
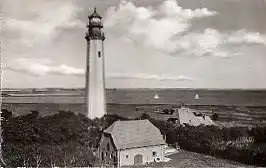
(154, 154)
(108, 147)
(127, 156)
(99, 54)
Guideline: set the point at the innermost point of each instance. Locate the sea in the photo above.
(230, 104)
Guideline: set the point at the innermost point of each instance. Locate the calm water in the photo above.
(229, 104)
(164, 96)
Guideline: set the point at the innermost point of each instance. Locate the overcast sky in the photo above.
(150, 43)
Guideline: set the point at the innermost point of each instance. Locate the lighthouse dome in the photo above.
(95, 14)
(95, 19)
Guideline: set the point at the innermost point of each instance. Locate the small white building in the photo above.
(193, 117)
(134, 142)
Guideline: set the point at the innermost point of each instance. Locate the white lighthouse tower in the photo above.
(95, 78)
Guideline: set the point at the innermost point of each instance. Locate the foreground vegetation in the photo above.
(240, 144)
(59, 140)
(69, 139)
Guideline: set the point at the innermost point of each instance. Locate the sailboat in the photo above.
(156, 96)
(197, 96)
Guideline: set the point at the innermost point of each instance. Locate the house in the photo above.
(193, 117)
(134, 142)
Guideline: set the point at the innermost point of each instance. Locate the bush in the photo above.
(208, 140)
(166, 111)
(67, 139)
(62, 140)
(70, 154)
(202, 139)
(144, 116)
(214, 117)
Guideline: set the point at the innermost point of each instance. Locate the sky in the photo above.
(149, 43)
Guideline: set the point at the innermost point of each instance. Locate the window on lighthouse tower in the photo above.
(99, 54)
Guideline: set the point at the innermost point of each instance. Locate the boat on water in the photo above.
(196, 96)
(156, 96)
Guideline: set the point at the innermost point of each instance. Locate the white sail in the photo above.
(196, 96)
(156, 96)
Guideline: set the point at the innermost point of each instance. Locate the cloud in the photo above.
(242, 36)
(41, 21)
(150, 77)
(201, 44)
(42, 67)
(166, 29)
(54, 32)
(152, 27)
(213, 43)
(172, 8)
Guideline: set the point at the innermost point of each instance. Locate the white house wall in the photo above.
(146, 152)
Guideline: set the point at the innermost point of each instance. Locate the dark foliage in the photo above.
(259, 134)
(214, 117)
(68, 139)
(168, 111)
(61, 127)
(70, 154)
(144, 116)
(64, 139)
(110, 119)
(205, 139)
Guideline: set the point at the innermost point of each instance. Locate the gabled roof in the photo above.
(134, 133)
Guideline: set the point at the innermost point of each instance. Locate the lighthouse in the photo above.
(95, 78)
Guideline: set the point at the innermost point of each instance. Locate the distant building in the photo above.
(135, 142)
(193, 117)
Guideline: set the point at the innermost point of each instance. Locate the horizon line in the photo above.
(140, 88)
